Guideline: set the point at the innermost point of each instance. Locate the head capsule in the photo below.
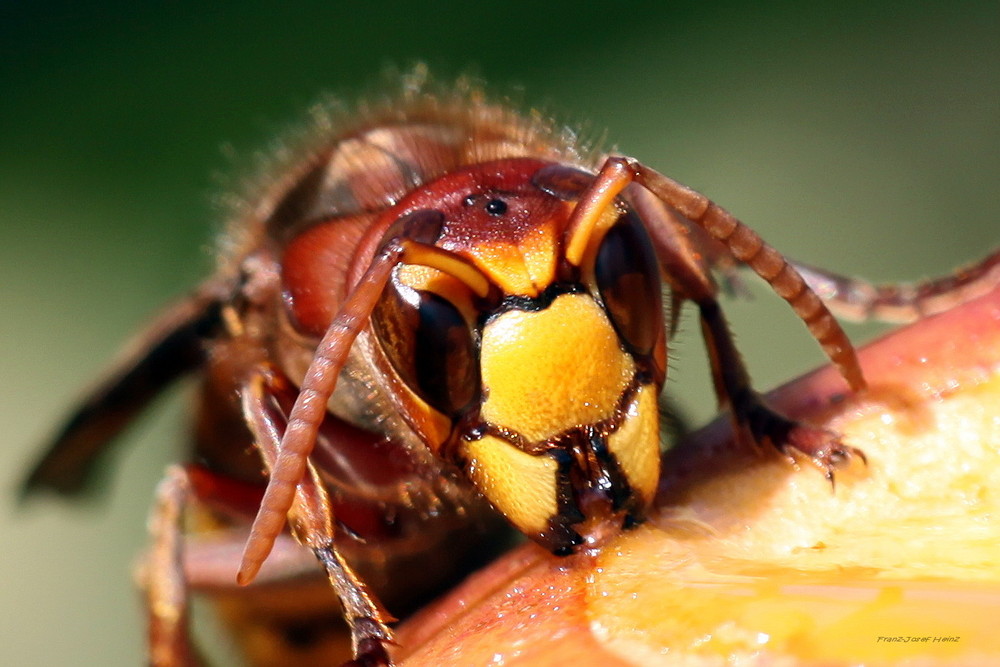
(537, 375)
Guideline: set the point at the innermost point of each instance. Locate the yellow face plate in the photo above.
(636, 443)
(521, 485)
(538, 389)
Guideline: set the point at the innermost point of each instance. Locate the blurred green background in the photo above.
(862, 137)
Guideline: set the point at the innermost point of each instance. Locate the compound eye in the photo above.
(430, 346)
(628, 280)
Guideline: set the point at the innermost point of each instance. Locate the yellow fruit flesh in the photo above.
(900, 560)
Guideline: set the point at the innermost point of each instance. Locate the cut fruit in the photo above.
(751, 560)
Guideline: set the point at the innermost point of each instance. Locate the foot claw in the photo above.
(822, 447)
(796, 440)
(371, 653)
(370, 640)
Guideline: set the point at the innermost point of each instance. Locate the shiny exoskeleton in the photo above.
(438, 303)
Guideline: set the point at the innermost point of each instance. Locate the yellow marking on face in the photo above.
(524, 268)
(538, 249)
(604, 222)
(520, 485)
(428, 279)
(448, 263)
(551, 370)
(636, 443)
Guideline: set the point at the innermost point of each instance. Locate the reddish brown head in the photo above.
(536, 372)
